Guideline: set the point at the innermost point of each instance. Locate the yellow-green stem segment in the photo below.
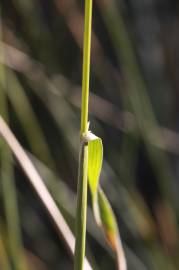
(83, 159)
(86, 66)
(81, 208)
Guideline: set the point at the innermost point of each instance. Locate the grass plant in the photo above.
(83, 156)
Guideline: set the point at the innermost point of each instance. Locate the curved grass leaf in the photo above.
(103, 212)
(107, 219)
(95, 158)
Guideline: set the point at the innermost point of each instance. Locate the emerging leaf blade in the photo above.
(95, 158)
(103, 212)
(108, 220)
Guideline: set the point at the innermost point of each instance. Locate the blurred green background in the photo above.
(134, 106)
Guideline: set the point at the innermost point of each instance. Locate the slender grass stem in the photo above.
(83, 158)
(86, 66)
(81, 209)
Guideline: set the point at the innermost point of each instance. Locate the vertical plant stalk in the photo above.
(83, 157)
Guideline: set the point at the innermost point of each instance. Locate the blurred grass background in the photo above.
(134, 106)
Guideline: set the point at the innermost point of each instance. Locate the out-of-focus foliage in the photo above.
(133, 107)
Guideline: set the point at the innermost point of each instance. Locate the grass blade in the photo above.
(103, 212)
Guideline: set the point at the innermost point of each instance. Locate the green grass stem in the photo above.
(86, 66)
(83, 159)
